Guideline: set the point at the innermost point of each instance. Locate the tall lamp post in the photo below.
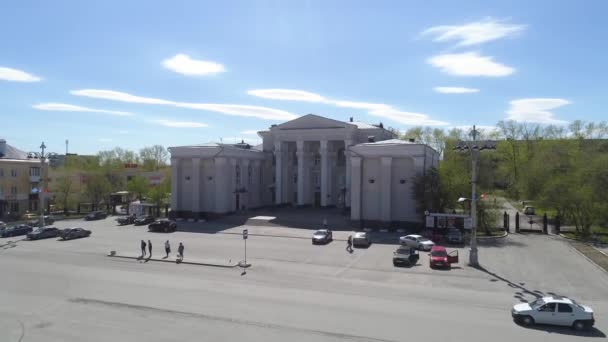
(43, 156)
(474, 147)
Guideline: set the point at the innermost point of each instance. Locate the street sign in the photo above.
(468, 223)
(245, 233)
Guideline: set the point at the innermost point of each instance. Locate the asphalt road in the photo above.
(70, 291)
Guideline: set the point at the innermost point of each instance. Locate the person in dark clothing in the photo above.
(143, 248)
(349, 244)
(150, 248)
(180, 251)
(167, 249)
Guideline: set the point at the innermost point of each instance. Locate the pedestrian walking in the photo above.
(167, 249)
(150, 248)
(349, 244)
(143, 248)
(180, 251)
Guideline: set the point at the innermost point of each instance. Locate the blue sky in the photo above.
(136, 73)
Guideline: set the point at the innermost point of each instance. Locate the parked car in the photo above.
(439, 257)
(405, 255)
(162, 225)
(528, 210)
(95, 215)
(20, 229)
(322, 236)
(417, 241)
(144, 219)
(2, 225)
(74, 233)
(455, 236)
(361, 239)
(48, 220)
(554, 310)
(43, 233)
(126, 220)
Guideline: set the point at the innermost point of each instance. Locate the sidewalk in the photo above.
(172, 259)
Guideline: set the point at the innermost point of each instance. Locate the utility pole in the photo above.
(41, 185)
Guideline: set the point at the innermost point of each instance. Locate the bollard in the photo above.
(505, 222)
(557, 225)
(545, 224)
(517, 222)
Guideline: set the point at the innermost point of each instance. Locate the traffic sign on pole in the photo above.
(245, 234)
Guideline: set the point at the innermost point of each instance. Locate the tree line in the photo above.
(561, 169)
(103, 174)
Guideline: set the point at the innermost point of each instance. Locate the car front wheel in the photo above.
(527, 320)
(580, 325)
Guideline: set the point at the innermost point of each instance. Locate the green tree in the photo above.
(139, 186)
(97, 189)
(63, 189)
(154, 157)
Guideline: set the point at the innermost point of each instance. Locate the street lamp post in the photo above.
(43, 158)
(474, 147)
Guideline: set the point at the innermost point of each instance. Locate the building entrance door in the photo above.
(317, 199)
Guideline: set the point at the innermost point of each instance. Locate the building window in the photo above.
(295, 178)
(13, 190)
(13, 172)
(237, 169)
(35, 171)
(249, 174)
(341, 157)
(317, 159)
(317, 179)
(274, 160)
(14, 207)
(295, 159)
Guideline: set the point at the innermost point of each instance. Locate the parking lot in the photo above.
(292, 284)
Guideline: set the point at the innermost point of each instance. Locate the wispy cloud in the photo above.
(469, 64)
(228, 109)
(9, 74)
(536, 110)
(104, 139)
(185, 65)
(474, 33)
(375, 109)
(455, 90)
(180, 124)
(64, 107)
(250, 132)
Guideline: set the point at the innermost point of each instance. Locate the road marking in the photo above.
(384, 230)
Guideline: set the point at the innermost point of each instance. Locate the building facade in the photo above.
(308, 161)
(19, 182)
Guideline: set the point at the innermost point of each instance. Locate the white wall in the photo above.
(402, 203)
(370, 192)
(185, 186)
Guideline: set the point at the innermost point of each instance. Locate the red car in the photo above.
(439, 257)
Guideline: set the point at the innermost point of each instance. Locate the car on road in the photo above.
(417, 241)
(554, 310)
(162, 225)
(126, 220)
(2, 225)
(455, 236)
(43, 233)
(20, 229)
(95, 215)
(74, 233)
(144, 219)
(361, 239)
(405, 256)
(48, 220)
(322, 236)
(440, 258)
(528, 210)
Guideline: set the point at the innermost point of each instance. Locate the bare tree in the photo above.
(154, 157)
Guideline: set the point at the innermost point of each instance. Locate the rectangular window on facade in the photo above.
(317, 179)
(249, 174)
(34, 171)
(13, 172)
(237, 169)
(295, 178)
(317, 159)
(13, 190)
(14, 207)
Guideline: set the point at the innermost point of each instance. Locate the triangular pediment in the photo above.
(311, 121)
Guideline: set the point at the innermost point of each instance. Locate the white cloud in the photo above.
(104, 140)
(375, 109)
(228, 109)
(536, 110)
(8, 74)
(287, 94)
(180, 124)
(455, 90)
(118, 96)
(185, 65)
(469, 64)
(64, 107)
(474, 33)
(251, 132)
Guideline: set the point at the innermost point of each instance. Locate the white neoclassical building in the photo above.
(308, 161)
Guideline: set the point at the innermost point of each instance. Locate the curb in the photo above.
(586, 257)
(505, 234)
(592, 246)
(183, 262)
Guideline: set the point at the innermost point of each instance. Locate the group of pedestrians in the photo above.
(180, 250)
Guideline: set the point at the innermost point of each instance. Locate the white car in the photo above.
(417, 241)
(556, 311)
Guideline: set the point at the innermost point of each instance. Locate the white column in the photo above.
(385, 188)
(301, 172)
(324, 173)
(221, 185)
(355, 198)
(245, 198)
(347, 144)
(196, 186)
(278, 172)
(175, 181)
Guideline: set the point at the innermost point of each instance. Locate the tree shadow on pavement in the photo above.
(500, 242)
(519, 286)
